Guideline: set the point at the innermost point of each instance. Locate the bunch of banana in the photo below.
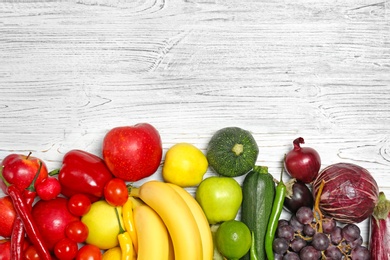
(169, 224)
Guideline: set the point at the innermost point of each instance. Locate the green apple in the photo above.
(220, 198)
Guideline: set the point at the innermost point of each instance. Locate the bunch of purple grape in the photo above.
(301, 238)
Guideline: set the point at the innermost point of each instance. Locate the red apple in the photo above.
(7, 216)
(20, 170)
(132, 152)
(51, 218)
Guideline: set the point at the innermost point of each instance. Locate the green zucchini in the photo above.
(258, 190)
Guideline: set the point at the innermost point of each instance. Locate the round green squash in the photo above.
(232, 152)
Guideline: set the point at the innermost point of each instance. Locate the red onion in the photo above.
(380, 230)
(350, 192)
(302, 163)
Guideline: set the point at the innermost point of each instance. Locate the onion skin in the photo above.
(302, 163)
(350, 192)
(380, 230)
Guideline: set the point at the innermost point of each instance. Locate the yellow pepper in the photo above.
(128, 220)
(126, 246)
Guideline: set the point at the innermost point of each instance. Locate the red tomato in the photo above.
(79, 204)
(66, 249)
(49, 188)
(89, 252)
(115, 192)
(77, 231)
(31, 253)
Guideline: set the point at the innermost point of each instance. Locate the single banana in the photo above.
(152, 234)
(177, 216)
(201, 221)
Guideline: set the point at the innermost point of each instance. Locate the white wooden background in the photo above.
(71, 70)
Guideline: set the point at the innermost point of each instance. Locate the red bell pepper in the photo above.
(83, 172)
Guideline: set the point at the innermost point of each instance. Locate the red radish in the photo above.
(350, 192)
(380, 230)
(302, 163)
(51, 218)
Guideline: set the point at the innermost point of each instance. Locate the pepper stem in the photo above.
(32, 184)
(121, 229)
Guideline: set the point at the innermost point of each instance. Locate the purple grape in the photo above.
(350, 232)
(328, 225)
(356, 242)
(278, 257)
(309, 230)
(280, 245)
(309, 253)
(282, 222)
(320, 241)
(333, 253)
(298, 226)
(360, 253)
(286, 232)
(305, 215)
(297, 244)
(336, 236)
(291, 256)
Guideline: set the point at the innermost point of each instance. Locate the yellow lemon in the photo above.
(114, 253)
(184, 165)
(103, 225)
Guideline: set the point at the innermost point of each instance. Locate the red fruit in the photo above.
(7, 216)
(5, 249)
(21, 170)
(89, 252)
(132, 152)
(51, 218)
(49, 188)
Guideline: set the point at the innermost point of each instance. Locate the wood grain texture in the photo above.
(72, 70)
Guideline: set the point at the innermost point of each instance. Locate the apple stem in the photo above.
(28, 155)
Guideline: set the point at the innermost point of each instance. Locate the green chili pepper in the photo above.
(277, 207)
(253, 254)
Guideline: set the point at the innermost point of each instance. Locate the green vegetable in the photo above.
(232, 152)
(258, 195)
(277, 208)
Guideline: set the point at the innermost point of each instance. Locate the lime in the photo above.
(184, 165)
(114, 253)
(233, 239)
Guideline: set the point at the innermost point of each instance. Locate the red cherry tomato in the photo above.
(89, 252)
(31, 253)
(77, 231)
(115, 192)
(49, 188)
(79, 204)
(66, 249)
